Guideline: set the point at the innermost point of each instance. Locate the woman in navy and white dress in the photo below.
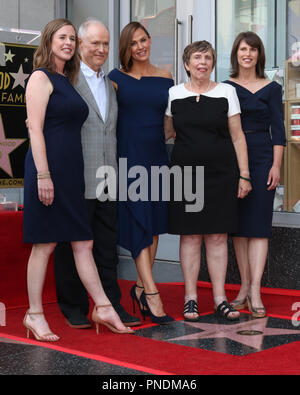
(206, 120)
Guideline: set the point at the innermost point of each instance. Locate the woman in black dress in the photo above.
(206, 120)
(54, 205)
(263, 125)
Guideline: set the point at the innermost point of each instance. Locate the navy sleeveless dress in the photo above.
(141, 141)
(262, 117)
(67, 219)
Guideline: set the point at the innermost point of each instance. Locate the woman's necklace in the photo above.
(248, 82)
(198, 94)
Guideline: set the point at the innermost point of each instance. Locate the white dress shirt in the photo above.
(96, 82)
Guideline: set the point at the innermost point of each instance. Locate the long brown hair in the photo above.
(43, 55)
(125, 44)
(254, 41)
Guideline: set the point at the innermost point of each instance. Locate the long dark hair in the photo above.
(254, 41)
(125, 44)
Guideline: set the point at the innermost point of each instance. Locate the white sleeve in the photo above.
(168, 110)
(233, 101)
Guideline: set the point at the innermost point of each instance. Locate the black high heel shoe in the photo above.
(137, 300)
(164, 320)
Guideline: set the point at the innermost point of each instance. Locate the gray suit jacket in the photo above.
(99, 142)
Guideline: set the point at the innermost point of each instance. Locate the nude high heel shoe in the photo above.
(45, 337)
(98, 321)
(239, 304)
(257, 312)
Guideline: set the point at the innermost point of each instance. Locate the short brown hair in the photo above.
(43, 55)
(125, 44)
(198, 46)
(254, 41)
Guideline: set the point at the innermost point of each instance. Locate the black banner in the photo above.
(15, 68)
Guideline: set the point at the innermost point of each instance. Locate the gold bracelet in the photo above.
(42, 176)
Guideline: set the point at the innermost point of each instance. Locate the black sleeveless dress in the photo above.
(67, 219)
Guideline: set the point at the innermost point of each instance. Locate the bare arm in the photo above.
(240, 146)
(169, 128)
(38, 91)
(115, 85)
(274, 175)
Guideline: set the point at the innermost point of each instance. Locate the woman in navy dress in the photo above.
(263, 125)
(142, 93)
(54, 204)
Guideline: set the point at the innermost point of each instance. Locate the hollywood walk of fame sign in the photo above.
(16, 62)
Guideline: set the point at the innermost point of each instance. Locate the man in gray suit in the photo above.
(99, 149)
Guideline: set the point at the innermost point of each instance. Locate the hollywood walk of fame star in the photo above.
(9, 56)
(6, 147)
(19, 78)
(235, 332)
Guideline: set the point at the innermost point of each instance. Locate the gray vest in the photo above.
(99, 142)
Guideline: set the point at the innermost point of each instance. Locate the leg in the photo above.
(153, 249)
(190, 259)
(217, 260)
(258, 252)
(71, 295)
(144, 268)
(89, 276)
(36, 273)
(104, 222)
(241, 247)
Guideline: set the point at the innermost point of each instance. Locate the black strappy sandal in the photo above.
(224, 309)
(191, 307)
(134, 298)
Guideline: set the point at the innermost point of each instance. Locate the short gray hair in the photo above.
(198, 46)
(84, 26)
